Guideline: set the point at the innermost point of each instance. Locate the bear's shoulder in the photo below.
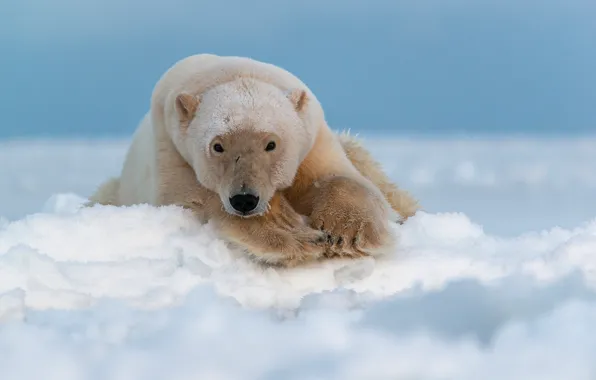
(197, 73)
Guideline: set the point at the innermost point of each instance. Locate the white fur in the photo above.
(233, 92)
(244, 104)
(138, 182)
(210, 75)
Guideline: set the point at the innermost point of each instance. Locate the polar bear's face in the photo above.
(249, 166)
(245, 141)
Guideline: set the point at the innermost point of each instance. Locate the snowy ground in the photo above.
(495, 280)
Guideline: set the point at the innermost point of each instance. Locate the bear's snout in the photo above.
(244, 203)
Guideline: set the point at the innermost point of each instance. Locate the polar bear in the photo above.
(245, 145)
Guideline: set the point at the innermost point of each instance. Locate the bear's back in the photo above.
(200, 72)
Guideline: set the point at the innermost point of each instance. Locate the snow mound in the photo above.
(146, 293)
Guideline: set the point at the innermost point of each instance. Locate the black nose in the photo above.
(244, 202)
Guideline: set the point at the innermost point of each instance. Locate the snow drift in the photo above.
(147, 293)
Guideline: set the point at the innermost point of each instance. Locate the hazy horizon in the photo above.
(463, 67)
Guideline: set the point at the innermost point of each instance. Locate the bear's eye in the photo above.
(218, 148)
(270, 146)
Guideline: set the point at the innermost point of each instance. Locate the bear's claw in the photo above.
(353, 224)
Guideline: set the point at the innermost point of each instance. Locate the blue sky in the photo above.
(76, 67)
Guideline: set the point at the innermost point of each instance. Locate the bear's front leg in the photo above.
(353, 215)
(280, 237)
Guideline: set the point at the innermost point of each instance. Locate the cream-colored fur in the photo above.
(222, 128)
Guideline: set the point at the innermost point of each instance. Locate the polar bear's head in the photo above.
(245, 139)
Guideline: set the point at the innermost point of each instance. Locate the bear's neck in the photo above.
(325, 159)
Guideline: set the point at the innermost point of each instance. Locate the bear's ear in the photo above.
(186, 105)
(298, 98)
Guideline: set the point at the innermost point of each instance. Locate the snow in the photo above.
(495, 279)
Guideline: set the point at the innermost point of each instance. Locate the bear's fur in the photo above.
(224, 131)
